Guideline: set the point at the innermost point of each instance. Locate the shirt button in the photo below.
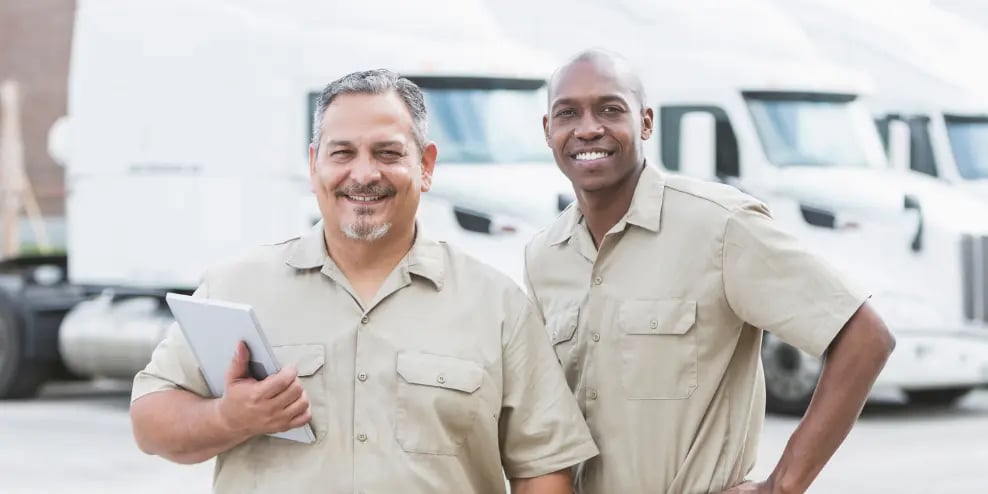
(596, 337)
(597, 280)
(362, 377)
(364, 320)
(362, 437)
(440, 379)
(653, 324)
(593, 395)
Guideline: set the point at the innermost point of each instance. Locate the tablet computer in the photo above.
(213, 328)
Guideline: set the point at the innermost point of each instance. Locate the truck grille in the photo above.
(974, 273)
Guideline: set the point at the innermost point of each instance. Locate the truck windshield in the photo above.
(812, 130)
(483, 121)
(969, 142)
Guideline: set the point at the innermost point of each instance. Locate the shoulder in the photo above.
(252, 263)
(714, 198)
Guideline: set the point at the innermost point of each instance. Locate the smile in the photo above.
(365, 198)
(592, 155)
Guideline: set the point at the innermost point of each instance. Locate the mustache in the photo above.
(375, 189)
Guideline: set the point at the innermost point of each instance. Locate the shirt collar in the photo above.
(426, 258)
(645, 210)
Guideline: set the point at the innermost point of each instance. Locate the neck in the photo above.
(604, 208)
(362, 260)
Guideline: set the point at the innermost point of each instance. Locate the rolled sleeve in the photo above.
(774, 283)
(172, 365)
(541, 427)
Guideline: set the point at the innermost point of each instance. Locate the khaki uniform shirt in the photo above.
(656, 331)
(431, 388)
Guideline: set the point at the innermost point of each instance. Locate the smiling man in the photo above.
(656, 290)
(420, 369)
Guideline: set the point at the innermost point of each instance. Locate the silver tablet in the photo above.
(213, 328)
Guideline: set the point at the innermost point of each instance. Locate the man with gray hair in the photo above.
(418, 368)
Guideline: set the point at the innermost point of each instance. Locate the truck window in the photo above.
(726, 154)
(480, 120)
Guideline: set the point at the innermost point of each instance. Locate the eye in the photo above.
(389, 156)
(612, 109)
(566, 112)
(341, 153)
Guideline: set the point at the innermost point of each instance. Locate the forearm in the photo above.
(560, 482)
(853, 363)
(182, 427)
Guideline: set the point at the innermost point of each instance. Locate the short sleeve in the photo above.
(541, 427)
(774, 283)
(172, 366)
(530, 288)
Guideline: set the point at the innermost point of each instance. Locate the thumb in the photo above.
(238, 367)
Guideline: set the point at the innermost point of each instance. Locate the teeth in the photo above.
(365, 198)
(590, 156)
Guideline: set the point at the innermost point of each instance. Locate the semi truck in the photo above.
(742, 96)
(185, 142)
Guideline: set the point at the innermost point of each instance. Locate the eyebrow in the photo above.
(376, 145)
(602, 99)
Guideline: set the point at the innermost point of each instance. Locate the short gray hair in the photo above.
(378, 81)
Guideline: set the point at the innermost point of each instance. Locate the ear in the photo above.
(545, 129)
(313, 154)
(648, 123)
(429, 155)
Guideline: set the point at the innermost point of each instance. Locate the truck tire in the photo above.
(791, 376)
(19, 377)
(937, 397)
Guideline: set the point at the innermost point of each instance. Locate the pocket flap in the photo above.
(667, 316)
(439, 371)
(562, 326)
(308, 359)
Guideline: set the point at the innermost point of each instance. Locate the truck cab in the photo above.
(186, 143)
(741, 96)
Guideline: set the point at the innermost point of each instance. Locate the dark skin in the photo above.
(595, 105)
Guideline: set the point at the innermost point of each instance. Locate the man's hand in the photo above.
(251, 407)
(750, 488)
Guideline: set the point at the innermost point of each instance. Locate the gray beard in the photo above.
(365, 232)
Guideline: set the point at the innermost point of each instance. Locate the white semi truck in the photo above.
(931, 99)
(741, 96)
(186, 142)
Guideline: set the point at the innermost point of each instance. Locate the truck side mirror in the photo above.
(899, 145)
(698, 146)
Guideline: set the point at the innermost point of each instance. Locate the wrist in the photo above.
(227, 427)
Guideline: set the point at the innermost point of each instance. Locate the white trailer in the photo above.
(931, 101)
(186, 142)
(741, 96)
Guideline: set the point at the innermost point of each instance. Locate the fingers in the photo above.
(292, 393)
(274, 385)
(302, 418)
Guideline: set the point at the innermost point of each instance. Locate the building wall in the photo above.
(35, 40)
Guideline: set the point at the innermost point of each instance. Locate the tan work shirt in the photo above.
(656, 331)
(431, 388)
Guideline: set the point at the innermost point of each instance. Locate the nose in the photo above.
(589, 128)
(365, 169)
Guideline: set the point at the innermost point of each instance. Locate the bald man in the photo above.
(656, 289)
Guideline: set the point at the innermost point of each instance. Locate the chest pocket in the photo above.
(562, 331)
(436, 402)
(658, 348)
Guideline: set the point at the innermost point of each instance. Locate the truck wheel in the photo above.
(937, 397)
(19, 377)
(791, 376)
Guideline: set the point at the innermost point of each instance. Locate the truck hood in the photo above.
(533, 192)
(882, 192)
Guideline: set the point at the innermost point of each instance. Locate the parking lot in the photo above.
(76, 439)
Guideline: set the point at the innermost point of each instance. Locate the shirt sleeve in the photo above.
(530, 289)
(172, 366)
(541, 428)
(774, 283)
